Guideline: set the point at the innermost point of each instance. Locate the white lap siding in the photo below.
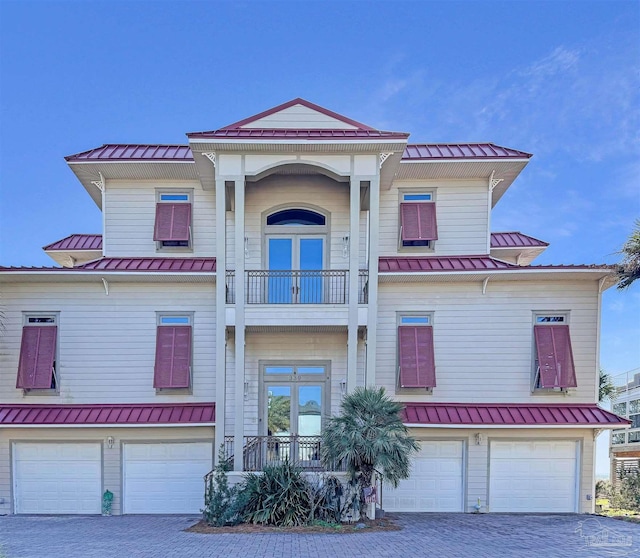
(483, 343)
(106, 344)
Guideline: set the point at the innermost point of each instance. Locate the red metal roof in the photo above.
(401, 264)
(263, 133)
(515, 240)
(508, 414)
(425, 151)
(439, 263)
(143, 413)
(77, 242)
(412, 152)
(133, 152)
(204, 265)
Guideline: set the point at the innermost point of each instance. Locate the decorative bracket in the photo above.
(105, 284)
(99, 184)
(211, 155)
(384, 157)
(493, 182)
(484, 285)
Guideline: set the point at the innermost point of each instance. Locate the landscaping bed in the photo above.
(317, 527)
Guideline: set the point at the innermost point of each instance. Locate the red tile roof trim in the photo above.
(152, 265)
(116, 414)
(430, 151)
(448, 414)
(77, 242)
(292, 103)
(515, 240)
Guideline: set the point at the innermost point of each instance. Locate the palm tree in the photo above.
(629, 268)
(368, 436)
(606, 389)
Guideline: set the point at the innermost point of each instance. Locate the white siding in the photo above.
(112, 457)
(106, 344)
(299, 116)
(130, 210)
(461, 210)
(483, 343)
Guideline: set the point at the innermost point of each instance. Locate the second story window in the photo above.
(38, 353)
(553, 368)
(416, 360)
(173, 220)
(418, 224)
(173, 352)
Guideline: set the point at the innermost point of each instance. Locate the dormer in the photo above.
(75, 249)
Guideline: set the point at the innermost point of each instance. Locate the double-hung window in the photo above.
(418, 224)
(553, 368)
(416, 359)
(173, 220)
(173, 352)
(38, 352)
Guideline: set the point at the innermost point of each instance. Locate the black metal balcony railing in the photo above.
(297, 287)
(259, 451)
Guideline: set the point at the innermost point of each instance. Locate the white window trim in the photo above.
(413, 314)
(535, 369)
(430, 247)
(189, 316)
(179, 191)
(56, 360)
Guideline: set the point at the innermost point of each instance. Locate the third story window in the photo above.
(418, 225)
(553, 364)
(173, 220)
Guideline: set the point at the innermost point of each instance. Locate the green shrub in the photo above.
(220, 500)
(279, 496)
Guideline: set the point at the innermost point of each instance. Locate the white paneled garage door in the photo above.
(533, 476)
(165, 478)
(57, 478)
(435, 484)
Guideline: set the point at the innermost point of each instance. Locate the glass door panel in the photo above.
(278, 423)
(311, 258)
(280, 286)
(309, 419)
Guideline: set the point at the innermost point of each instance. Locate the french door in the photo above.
(294, 403)
(295, 264)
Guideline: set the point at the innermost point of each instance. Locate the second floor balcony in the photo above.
(323, 286)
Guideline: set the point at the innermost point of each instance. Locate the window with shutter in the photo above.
(416, 355)
(173, 355)
(554, 366)
(36, 365)
(418, 225)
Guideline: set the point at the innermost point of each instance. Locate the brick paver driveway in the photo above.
(437, 535)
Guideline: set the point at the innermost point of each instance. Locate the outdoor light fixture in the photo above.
(343, 386)
(246, 246)
(110, 442)
(246, 390)
(345, 246)
(479, 439)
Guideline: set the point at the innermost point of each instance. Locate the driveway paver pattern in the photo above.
(435, 535)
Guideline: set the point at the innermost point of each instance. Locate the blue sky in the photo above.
(558, 79)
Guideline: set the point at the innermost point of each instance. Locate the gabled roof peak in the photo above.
(246, 122)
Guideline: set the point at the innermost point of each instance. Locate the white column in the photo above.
(372, 262)
(221, 318)
(238, 435)
(354, 245)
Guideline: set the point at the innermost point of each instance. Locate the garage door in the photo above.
(57, 478)
(435, 483)
(533, 476)
(165, 478)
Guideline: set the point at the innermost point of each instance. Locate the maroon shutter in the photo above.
(172, 221)
(555, 357)
(417, 362)
(37, 355)
(419, 221)
(173, 357)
